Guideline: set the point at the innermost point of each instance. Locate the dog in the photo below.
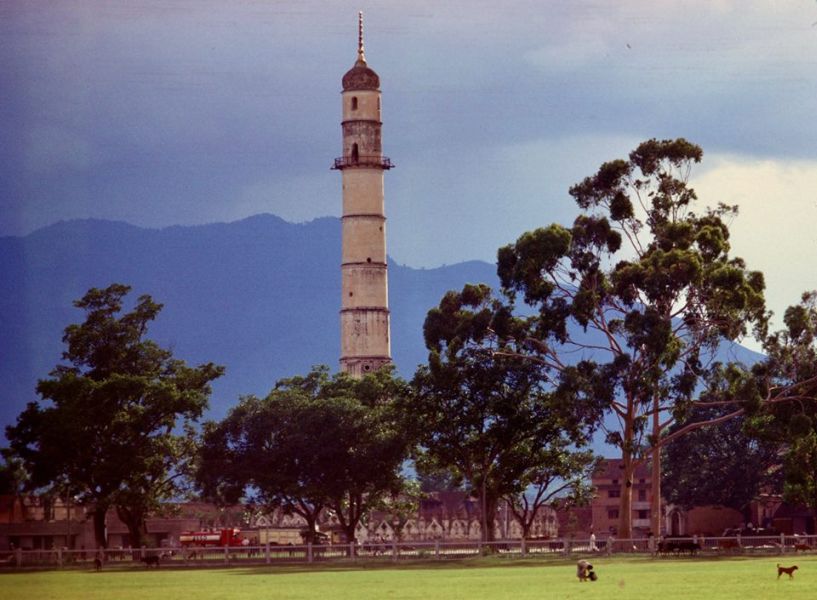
(584, 571)
(787, 570)
(801, 547)
(98, 563)
(151, 561)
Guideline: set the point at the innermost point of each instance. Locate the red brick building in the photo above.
(606, 504)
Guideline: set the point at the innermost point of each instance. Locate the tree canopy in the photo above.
(314, 443)
(722, 465)
(787, 380)
(486, 417)
(109, 429)
(642, 289)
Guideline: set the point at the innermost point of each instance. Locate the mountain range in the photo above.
(260, 296)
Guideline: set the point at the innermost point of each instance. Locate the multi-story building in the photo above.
(607, 502)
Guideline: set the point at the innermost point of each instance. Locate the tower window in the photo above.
(368, 259)
(355, 153)
(354, 102)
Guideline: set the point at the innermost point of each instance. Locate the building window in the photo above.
(615, 481)
(642, 481)
(354, 102)
(642, 495)
(643, 514)
(614, 493)
(612, 513)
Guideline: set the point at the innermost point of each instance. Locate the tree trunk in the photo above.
(655, 501)
(99, 515)
(625, 511)
(525, 518)
(625, 515)
(136, 524)
(311, 518)
(526, 527)
(349, 519)
(489, 504)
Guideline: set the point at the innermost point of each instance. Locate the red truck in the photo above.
(215, 537)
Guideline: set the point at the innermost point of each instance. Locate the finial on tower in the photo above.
(360, 76)
(361, 57)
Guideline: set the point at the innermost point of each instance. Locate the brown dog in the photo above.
(787, 570)
(584, 570)
(801, 547)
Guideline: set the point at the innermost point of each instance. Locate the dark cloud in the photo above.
(181, 111)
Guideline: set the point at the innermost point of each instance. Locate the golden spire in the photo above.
(361, 57)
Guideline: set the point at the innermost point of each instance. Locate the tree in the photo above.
(788, 378)
(105, 429)
(13, 477)
(721, 465)
(485, 416)
(642, 288)
(314, 443)
(562, 480)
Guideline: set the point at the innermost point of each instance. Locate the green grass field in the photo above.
(619, 579)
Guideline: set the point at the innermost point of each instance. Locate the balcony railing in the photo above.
(344, 162)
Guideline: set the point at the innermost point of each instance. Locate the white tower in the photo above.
(364, 314)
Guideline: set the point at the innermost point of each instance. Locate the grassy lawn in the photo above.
(619, 579)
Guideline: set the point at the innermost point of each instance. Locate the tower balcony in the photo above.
(345, 162)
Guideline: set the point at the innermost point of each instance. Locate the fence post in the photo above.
(740, 542)
(523, 548)
(437, 549)
(309, 552)
(783, 543)
(394, 553)
(226, 555)
(267, 556)
(59, 557)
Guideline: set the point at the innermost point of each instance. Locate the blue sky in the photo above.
(162, 112)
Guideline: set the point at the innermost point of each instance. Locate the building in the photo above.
(34, 522)
(767, 510)
(364, 314)
(606, 504)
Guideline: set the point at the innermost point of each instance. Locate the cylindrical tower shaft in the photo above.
(364, 315)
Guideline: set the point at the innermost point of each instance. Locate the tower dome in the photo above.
(360, 77)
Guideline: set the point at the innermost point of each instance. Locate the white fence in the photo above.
(398, 551)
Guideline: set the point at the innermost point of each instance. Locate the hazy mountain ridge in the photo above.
(260, 296)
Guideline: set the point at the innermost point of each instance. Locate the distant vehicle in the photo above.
(290, 536)
(278, 536)
(215, 537)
